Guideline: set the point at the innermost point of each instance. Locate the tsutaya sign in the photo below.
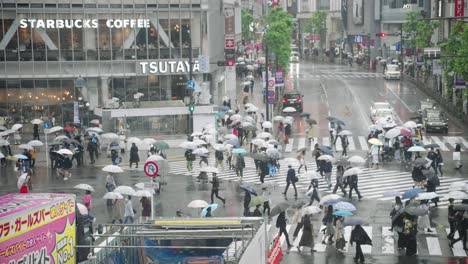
(167, 67)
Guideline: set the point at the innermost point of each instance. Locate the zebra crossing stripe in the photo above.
(388, 241)
(440, 143)
(312, 144)
(301, 142)
(351, 146)
(433, 246)
(367, 249)
(347, 237)
(363, 143)
(338, 145)
(283, 238)
(464, 142)
(457, 249)
(426, 141)
(319, 247)
(326, 141)
(297, 240)
(289, 146)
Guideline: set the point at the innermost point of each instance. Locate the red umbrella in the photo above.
(69, 129)
(405, 132)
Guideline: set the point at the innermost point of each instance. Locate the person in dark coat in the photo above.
(247, 199)
(287, 133)
(264, 171)
(134, 158)
(146, 205)
(353, 185)
(431, 187)
(360, 237)
(36, 132)
(411, 230)
(314, 183)
(418, 177)
(339, 180)
(452, 217)
(307, 238)
(439, 161)
(257, 211)
(291, 179)
(461, 225)
(281, 224)
(91, 150)
(215, 189)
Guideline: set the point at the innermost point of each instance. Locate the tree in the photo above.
(455, 50)
(317, 24)
(278, 36)
(419, 31)
(247, 21)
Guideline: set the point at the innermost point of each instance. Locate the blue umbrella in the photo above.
(409, 194)
(326, 150)
(213, 207)
(340, 122)
(225, 108)
(249, 189)
(342, 213)
(20, 156)
(239, 151)
(344, 206)
(333, 201)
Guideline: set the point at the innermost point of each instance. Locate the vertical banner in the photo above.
(459, 8)
(344, 13)
(76, 113)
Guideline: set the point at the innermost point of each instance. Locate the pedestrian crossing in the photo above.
(373, 183)
(384, 241)
(340, 75)
(359, 143)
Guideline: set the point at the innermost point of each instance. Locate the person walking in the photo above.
(331, 129)
(297, 220)
(264, 170)
(329, 230)
(281, 224)
(219, 159)
(339, 180)
(397, 150)
(396, 207)
(410, 232)
(431, 155)
(32, 154)
(266, 204)
(439, 161)
(314, 184)
(360, 237)
(301, 158)
(431, 186)
(215, 189)
(374, 152)
(310, 134)
(307, 238)
(247, 199)
(134, 158)
(146, 207)
(240, 165)
(129, 211)
(287, 133)
(87, 200)
(456, 156)
(339, 233)
(327, 167)
(36, 132)
(424, 222)
(418, 177)
(451, 218)
(117, 211)
(291, 179)
(353, 185)
(461, 225)
(344, 145)
(189, 157)
(280, 132)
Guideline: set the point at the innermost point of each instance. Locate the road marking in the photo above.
(363, 143)
(297, 240)
(351, 146)
(399, 98)
(289, 146)
(326, 141)
(388, 241)
(301, 143)
(319, 246)
(433, 246)
(347, 237)
(457, 249)
(338, 145)
(367, 249)
(440, 143)
(283, 238)
(426, 141)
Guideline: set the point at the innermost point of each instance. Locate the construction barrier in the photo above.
(276, 252)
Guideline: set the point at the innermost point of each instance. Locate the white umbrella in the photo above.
(2, 156)
(289, 110)
(267, 124)
(357, 159)
(134, 140)
(375, 127)
(258, 142)
(200, 151)
(82, 209)
(61, 137)
(427, 196)
(219, 147)
(188, 145)
(25, 146)
(327, 158)
(278, 118)
(16, 126)
(197, 204)
(65, 152)
(230, 137)
(392, 133)
(249, 77)
(458, 195)
(55, 129)
(329, 197)
(252, 109)
(20, 156)
(249, 119)
(112, 196)
(35, 143)
(149, 141)
(36, 121)
(291, 161)
(289, 119)
(112, 169)
(197, 134)
(94, 129)
(264, 135)
(236, 117)
(199, 142)
(345, 133)
(209, 169)
(416, 149)
(410, 124)
(246, 124)
(344, 206)
(352, 171)
(110, 136)
(143, 193)
(312, 174)
(125, 190)
(155, 158)
(311, 210)
(95, 122)
(458, 186)
(248, 105)
(84, 186)
(4, 142)
(273, 142)
(375, 141)
(21, 180)
(138, 95)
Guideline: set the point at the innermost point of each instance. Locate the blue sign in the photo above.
(358, 39)
(46, 124)
(191, 84)
(271, 100)
(263, 92)
(271, 93)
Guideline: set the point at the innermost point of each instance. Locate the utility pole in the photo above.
(267, 117)
(191, 105)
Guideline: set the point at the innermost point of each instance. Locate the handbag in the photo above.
(295, 179)
(340, 243)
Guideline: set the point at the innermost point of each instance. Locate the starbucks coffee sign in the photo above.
(167, 67)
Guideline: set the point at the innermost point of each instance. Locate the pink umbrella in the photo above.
(405, 132)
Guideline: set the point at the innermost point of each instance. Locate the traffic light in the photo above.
(191, 108)
(230, 62)
(381, 34)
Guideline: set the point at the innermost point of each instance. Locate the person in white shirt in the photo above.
(129, 213)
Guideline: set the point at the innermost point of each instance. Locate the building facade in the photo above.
(77, 59)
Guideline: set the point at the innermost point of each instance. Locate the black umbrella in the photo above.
(311, 121)
(418, 211)
(260, 156)
(460, 207)
(305, 114)
(420, 162)
(331, 118)
(298, 204)
(279, 208)
(433, 145)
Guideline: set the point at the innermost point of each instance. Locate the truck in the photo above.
(37, 228)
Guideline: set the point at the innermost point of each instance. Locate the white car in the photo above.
(379, 105)
(382, 116)
(294, 57)
(392, 72)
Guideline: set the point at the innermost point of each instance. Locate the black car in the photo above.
(434, 120)
(425, 104)
(293, 99)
